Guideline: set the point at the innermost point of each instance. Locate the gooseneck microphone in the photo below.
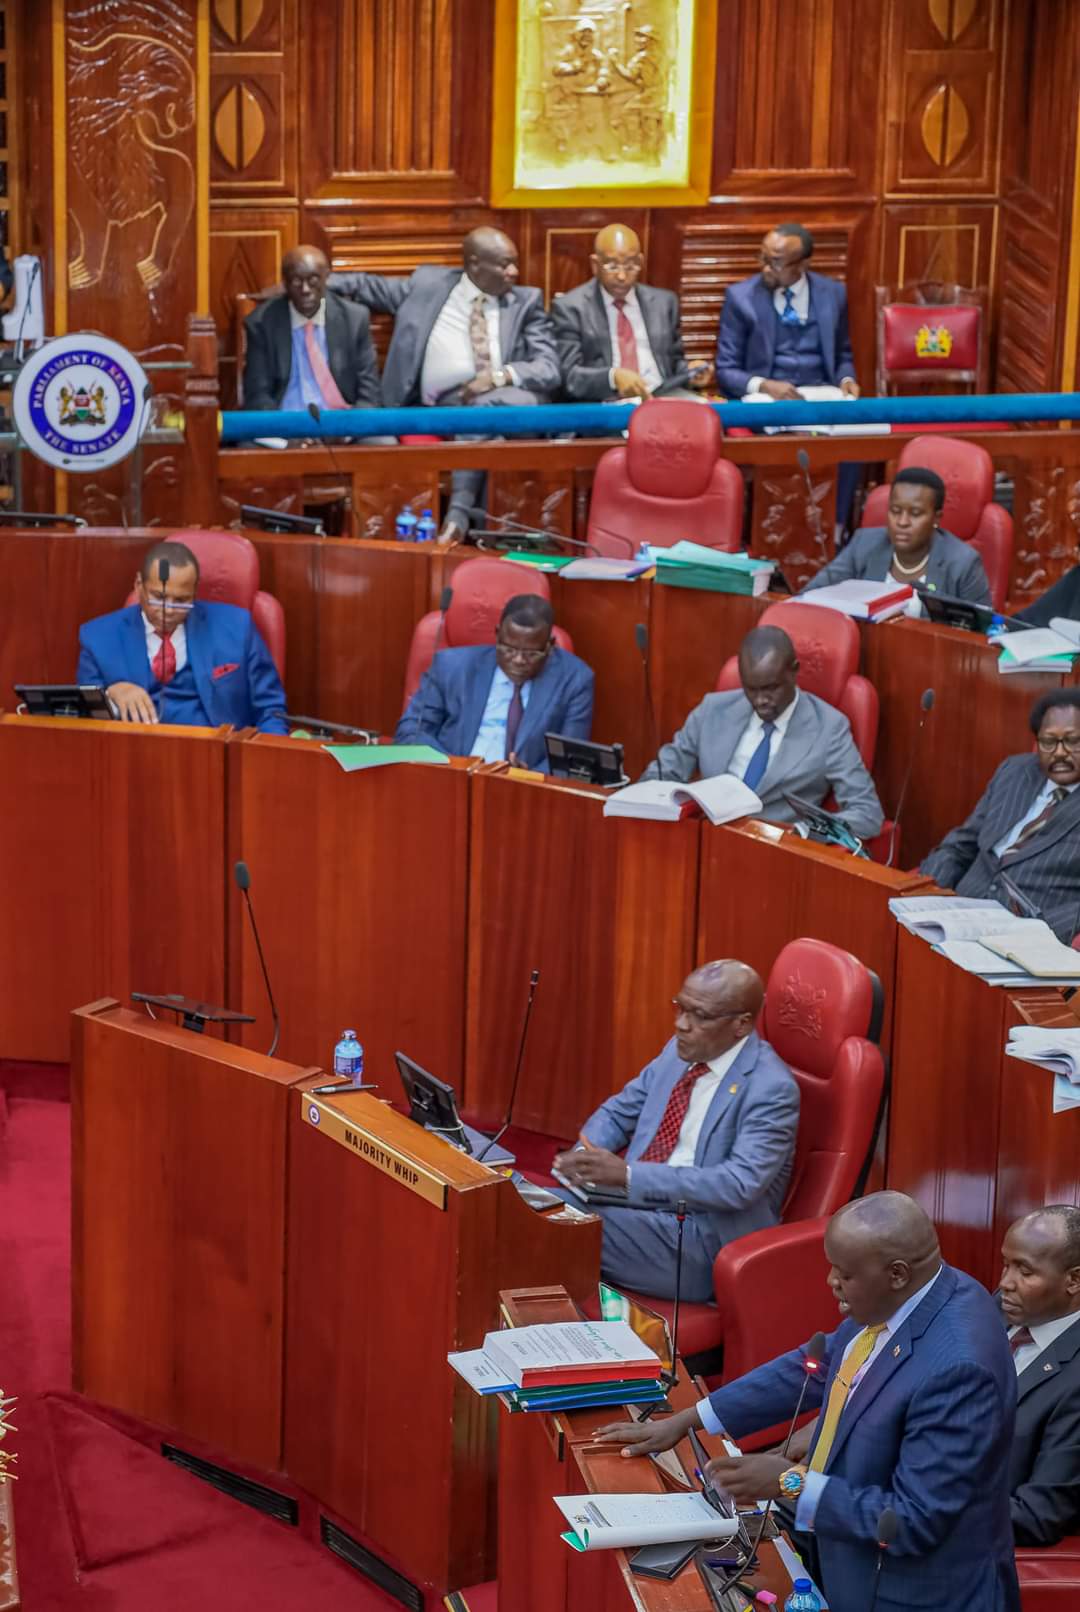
(534, 980)
(926, 702)
(887, 1525)
(641, 638)
(242, 875)
(813, 509)
(327, 442)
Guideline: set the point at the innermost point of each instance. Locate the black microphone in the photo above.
(446, 599)
(34, 272)
(813, 509)
(1023, 904)
(534, 980)
(641, 638)
(163, 577)
(327, 443)
(926, 701)
(512, 529)
(887, 1525)
(242, 875)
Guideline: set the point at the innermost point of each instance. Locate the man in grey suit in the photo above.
(777, 738)
(309, 345)
(463, 336)
(711, 1122)
(1025, 831)
(618, 338)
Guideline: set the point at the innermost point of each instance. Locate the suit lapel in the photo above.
(765, 327)
(1045, 1366)
(477, 689)
(727, 1092)
(200, 652)
(735, 714)
(654, 330)
(509, 315)
(542, 698)
(133, 642)
(798, 741)
(281, 335)
(596, 313)
(1065, 820)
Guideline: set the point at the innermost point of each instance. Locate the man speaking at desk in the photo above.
(171, 657)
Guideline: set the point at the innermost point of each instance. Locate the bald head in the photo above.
(1040, 1266)
(716, 1008)
(768, 671)
(616, 259)
(304, 272)
(881, 1249)
(490, 259)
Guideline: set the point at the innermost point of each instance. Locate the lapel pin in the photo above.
(733, 1089)
(896, 1351)
(1048, 1366)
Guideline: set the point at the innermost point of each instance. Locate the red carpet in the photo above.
(103, 1522)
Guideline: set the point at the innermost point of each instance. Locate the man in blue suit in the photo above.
(711, 1122)
(785, 327)
(497, 702)
(171, 657)
(918, 1397)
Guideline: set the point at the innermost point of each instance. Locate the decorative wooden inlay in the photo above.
(238, 19)
(945, 125)
(951, 17)
(239, 127)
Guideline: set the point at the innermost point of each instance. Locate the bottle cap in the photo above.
(802, 1584)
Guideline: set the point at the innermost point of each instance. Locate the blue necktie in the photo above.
(789, 316)
(755, 771)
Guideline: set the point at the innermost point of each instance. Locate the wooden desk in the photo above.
(383, 1283)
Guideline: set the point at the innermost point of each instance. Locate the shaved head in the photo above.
(616, 238)
(891, 1222)
(490, 259)
(304, 271)
(716, 1008)
(735, 982)
(616, 259)
(301, 258)
(881, 1249)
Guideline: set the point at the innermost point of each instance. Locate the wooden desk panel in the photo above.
(606, 910)
(600, 618)
(358, 883)
(113, 870)
(692, 635)
(1038, 1155)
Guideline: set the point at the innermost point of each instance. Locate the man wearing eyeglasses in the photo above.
(172, 657)
(618, 338)
(785, 327)
(1021, 844)
(711, 1122)
(498, 701)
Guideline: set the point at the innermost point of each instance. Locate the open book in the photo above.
(938, 918)
(618, 1521)
(1037, 950)
(722, 799)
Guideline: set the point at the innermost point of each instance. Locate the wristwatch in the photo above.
(500, 377)
(792, 1482)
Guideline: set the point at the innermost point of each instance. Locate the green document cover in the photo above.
(356, 757)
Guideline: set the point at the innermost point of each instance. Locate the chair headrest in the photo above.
(672, 448)
(968, 473)
(228, 565)
(826, 642)
(817, 996)
(482, 589)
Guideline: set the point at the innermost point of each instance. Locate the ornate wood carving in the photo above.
(786, 521)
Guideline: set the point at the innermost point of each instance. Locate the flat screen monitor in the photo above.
(66, 699)
(582, 759)
(432, 1103)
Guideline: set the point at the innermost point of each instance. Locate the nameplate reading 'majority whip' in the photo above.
(373, 1150)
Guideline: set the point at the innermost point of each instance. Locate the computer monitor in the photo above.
(582, 759)
(951, 611)
(66, 699)
(432, 1103)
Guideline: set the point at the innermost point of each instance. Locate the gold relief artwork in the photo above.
(130, 110)
(604, 93)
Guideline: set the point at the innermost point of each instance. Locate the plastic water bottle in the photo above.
(349, 1058)
(645, 554)
(405, 526)
(802, 1597)
(426, 528)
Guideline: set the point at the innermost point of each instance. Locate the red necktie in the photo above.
(1020, 1339)
(513, 720)
(667, 1134)
(163, 664)
(332, 398)
(628, 353)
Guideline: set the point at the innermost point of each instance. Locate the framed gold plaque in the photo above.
(603, 103)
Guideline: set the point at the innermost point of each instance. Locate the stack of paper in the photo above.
(722, 799)
(938, 918)
(1040, 649)
(866, 601)
(605, 568)
(564, 1364)
(984, 938)
(621, 1521)
(692, 565)
(1055, 1050)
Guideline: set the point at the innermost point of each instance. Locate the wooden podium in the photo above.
(398, 1246)
(178, 1228)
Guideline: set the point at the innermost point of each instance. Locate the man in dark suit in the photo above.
(618, 338)
(711, 1121)
(778, 739)
(1040, 1300)
(309, 345)
(1025, 831)
(171, 657)
(463, 336)
(498, 702)
(785, 327)
(917, 1398)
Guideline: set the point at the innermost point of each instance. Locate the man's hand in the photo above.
(849, 387)
(748, 1478)
(782, 391)
(648, 1438)
(799, 1447)
(132, 702)
(628, 383)
(483, 382)
(703, 377)
(451, 533)
(592, 1167)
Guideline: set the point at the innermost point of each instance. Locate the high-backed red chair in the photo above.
(481, 590)
(822, 1015)
(229, 574)
(668, 483)
(931, 334)
(1050, 1579)
(970, 512)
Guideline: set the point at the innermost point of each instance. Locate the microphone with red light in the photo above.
(887, 1525)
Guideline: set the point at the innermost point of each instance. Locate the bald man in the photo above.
(618, 338)
(916, 1394)
(710, 1122)
(463, 336)
(309, 345)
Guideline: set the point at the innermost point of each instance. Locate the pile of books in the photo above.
(1053, 1049)
(865, 601)
(984, 938)
(1040, 649)
(692, 565)
(564, 1365)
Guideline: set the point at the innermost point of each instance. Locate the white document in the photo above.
(1068, 629)
(1056, 1050)
(1066, 1095)
(938, 918)
(1038, 952)
(858, 598)
(722, 799)
(1035, 643)
(617, 1521)
(604, 568)
(480, 1372)
(560, 1346)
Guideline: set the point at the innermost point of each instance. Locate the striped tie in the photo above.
(1057, 795)
(858, 1355)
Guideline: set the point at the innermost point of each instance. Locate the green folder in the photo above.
(357, 757)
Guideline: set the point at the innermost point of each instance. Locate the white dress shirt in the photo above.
(1046, 1333)
(490, 741)
(800, 301)
(647, 366)
(1039, 804)
(701, 1095)
(448, 357)
(752, 736)
(153, 643)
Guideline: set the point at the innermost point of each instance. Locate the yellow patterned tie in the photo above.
(859, 1354)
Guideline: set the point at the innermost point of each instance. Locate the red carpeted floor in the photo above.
(103, 1522)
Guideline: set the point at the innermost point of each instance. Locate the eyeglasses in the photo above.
(780, 262)
(1070, 744)
(531, 657)
(172, 606)
(611, 265)
(699, 1017)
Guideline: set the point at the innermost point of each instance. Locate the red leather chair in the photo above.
(482, 589)
(969, 513)
(1050, 1579)
(229, 574)
(932, 334)
(668, 483)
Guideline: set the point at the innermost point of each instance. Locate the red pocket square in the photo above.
(223, 671)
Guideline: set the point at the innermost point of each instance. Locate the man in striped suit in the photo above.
(1025, 831)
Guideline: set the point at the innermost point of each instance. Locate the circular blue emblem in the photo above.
(313, 1113)
(81, 402)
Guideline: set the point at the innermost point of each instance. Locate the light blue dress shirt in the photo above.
(303, 388)
(1038, 805)
(490, 742)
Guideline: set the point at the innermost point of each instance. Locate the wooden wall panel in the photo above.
(944, 90)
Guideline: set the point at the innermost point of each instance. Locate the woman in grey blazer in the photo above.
(911, 547)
